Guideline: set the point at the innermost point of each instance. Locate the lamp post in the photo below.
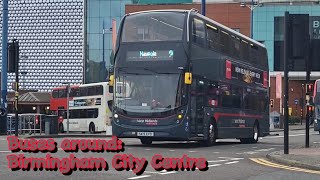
(68, 92)
(251, 6)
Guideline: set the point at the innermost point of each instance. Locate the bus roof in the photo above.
(82, 85)
(206, 18)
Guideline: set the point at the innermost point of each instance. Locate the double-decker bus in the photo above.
(187, 77)
(89, 107)
(316, 102)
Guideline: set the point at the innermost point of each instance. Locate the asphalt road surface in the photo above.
(227, 160)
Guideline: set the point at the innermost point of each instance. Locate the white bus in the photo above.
(89, 109)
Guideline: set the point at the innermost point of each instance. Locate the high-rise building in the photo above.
(50, 35)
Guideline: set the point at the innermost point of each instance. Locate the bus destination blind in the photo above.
(159, 55)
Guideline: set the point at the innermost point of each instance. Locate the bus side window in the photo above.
(198, 32)
(99, 90)
(83, 91)
(213, 38)
(110, 104)
(62, 93)
(110, 89)
(55, 93)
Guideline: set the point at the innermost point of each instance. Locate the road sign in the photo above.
(296, 101)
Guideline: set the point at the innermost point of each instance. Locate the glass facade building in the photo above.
(268, 27)
(98, 23)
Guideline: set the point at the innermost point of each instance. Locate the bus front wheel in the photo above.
(146, 141)
(255, 136)
(92, 128)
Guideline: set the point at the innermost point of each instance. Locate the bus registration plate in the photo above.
(145, 134)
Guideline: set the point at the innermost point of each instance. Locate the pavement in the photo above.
(292, 128)
(301, 157)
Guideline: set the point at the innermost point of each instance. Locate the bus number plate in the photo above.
(145, 134)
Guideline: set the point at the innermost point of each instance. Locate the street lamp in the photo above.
(251, 6)
(68, 92)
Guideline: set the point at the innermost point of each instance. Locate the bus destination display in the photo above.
(159, 55)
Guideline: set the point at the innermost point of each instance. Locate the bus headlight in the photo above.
(115, 116)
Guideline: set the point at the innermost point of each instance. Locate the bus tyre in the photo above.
(212, 135)
(92, 128)
(61, 129)
(146, 141)
(255, 136)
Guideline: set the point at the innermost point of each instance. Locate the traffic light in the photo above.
(309, 88)
(13, 56)
(271, 103)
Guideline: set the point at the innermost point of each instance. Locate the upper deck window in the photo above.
(153, 26)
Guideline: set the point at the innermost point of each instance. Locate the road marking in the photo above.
(192, 151)
(5, 151)
(254, 147)
(139, 177)
(147, 149)
(214, 165)
(316, 142)
(271, 164)
(172, 150)
(216, 152)
(232, 162)
(215, 161)
(257, 151)
(129, 148)
(170, 172)
(263, 150)
(293, 135)
(151, 172)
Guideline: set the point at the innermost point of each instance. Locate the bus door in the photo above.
(197, 106)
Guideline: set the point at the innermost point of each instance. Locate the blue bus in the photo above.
(179, 75)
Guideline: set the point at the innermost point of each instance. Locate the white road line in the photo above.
(224, 160)
(254, 147)
(147, 149)
(231, 158)
(192, 151)
(139, 177)
(5, 151)
(151, 172)
(262, 150)
(172, 150)
(232, 162)
(293, 135)
(170, 172)
(214, 165)
(216, 152)
(316, 142)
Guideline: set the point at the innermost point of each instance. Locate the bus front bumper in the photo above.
(176, 132)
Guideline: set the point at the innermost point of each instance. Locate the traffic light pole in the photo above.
(286, 91)
(308, 69)
(16, 110)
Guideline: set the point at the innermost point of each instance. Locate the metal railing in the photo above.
(28, 123)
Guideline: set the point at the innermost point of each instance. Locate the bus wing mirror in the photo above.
(111, 80)
(188, 78)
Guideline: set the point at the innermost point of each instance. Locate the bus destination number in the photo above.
(145, 134)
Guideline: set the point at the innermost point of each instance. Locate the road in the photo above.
(227, 160)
